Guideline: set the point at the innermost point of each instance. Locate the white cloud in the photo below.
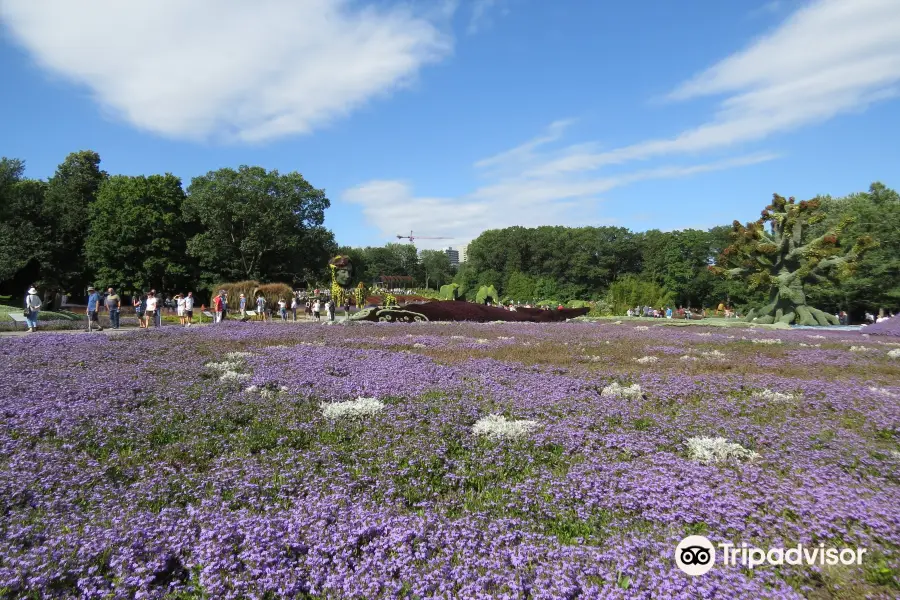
(481, 14)
(250, 71)
(828, 58)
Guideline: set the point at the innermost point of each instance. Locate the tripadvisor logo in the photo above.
(696, 555)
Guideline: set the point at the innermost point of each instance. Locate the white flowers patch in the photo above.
(861, 349)
(773, 396)
(227, 365)
(497, 426)
(633, 391)
(803, 345)
(641, 328)
(882, 392)
(688, 357)
(647, 360)
(705, 334)
(482, 341)
(895, 353)
(714, 355)
(716, 450)
(237, 356)
(766, 341)
(418, 345)
(352, 409)
(591, 358)
(233, 377)
(816, 337)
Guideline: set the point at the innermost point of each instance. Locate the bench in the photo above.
(18, 317)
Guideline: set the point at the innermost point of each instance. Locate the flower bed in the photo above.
(330, 466)
(442, 310)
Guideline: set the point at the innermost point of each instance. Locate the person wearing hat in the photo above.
(180, 308)
(93, 308)
(32, 306)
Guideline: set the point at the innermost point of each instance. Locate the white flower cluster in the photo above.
(351, 409)
(633, 391)
(646, 360)
(233, 377)
(497, 426)
(882, 391)
(773, 396)
(895, 353)
(591, 358)
(714, 355)
(225, 365)
(418, 345)
(714, 450)
(482, 340)
(816, 337)
(265, 392)
(641, 328)
(237, 356)
(810, 345)
(689, 357)
(766, 341)
(861, 349)
(705, 334)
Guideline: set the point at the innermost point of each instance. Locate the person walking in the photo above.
(157, 310)
(93, 309)
(261, 307)
(317, 307)
(151, 309)
(282, 309)
(189, 309)
(294, 306)
(243, 306)
(113, 303)
(32, 307)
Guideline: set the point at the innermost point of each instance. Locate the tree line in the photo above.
(583, 263)
(83, 226)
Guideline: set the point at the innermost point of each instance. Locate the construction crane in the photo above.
(412, 237)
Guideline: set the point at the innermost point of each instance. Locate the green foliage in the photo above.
(630, 291)
(258, 224)
(23, 228)
(435, 266)
(447, 291)
(487, 292)
(67, 202)
(520, 287)
(137, 239)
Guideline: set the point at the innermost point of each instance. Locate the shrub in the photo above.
(446, 292)
(234, 291)
(273, 292)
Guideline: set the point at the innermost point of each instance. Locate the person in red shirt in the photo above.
(218, 305)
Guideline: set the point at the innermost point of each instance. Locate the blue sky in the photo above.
(451, 117)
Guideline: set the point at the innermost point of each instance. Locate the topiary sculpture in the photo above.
(777, 259)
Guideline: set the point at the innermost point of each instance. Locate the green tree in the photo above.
(875, 282)
(258, 224)
(519, 287)
(138, 239)
(781, 258)
(630, 291)
(70, 193)
(23, 229)
(435, 266)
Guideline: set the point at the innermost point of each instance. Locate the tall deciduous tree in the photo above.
(435, 265)
(258, 224)
(138, 239)
(23, 229)
(781, 258)
(70, 193)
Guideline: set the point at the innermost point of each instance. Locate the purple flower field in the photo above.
(190, 464)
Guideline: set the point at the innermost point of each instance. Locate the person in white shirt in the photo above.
(317, 308)
(152, 306)
(294, 307)
(282, 309)
(181, 302)
(189, 309)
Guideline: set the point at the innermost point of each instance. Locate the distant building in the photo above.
(462, 253)
(453, 255)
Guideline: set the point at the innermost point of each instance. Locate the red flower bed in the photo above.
(448, 310)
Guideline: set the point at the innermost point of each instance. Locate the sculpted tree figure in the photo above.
(775, 258)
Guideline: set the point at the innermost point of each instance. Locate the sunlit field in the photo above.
(354, 462)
